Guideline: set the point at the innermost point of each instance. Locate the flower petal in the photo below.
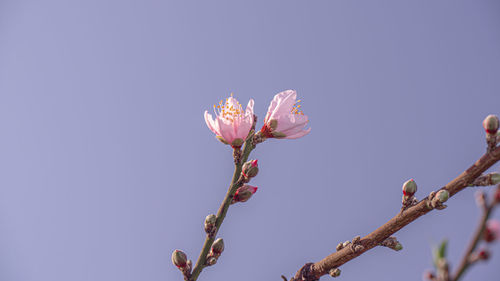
(210, 122)
(299, 134)
(285, 102)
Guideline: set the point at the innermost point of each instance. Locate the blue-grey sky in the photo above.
(107, 165)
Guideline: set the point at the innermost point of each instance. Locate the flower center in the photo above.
(296, 108)
(229, 110)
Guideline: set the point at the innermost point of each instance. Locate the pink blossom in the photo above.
(284, 118)
(491, 231)
(244, 193)
(231, 124)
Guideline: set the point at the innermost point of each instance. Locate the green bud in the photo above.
(334, 272)
(210, 219)
(409, 187)
(250, 169)
(179, 258)
(495, 178)
(211, 261)
(218, 246)
(398, 247)
(443, 195)
(491, 124)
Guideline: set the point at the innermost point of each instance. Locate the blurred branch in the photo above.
(313, 271)
(476, 238)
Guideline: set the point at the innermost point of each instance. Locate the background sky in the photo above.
(107, 166)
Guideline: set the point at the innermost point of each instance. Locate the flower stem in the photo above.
(221, 213)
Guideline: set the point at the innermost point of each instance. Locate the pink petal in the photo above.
(299, 134)
(282, 103)
(210, 122)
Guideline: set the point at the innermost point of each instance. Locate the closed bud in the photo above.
(443, 195)
(218, 246)
(244, 193)
(210, 219)
(334, 272)
(409, 188)
(210, 224)
(250, 169)
(211, 261)
(490, 124)
(398, 247)
(429, 275)
(495, 178)
(483, 254)
(179, 258)
(491, 231)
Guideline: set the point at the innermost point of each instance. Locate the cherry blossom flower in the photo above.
(491, 231)
(232, 124)
(284, 118)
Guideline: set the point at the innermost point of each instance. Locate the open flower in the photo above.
(491, 231)
(231, 124)
(284, 118)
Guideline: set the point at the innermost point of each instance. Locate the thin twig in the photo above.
(221, 213)
(476, 238)
(373, 239)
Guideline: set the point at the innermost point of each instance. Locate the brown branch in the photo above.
(334, 260)
(476, 238)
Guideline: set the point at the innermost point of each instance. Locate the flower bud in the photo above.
(409, 187)
(443, 195)
(210, 219)
(490, 124)
(429, 275)
(211, 261)
(491, 231)
(483, 254)
(244, 193)
(334, 272)
(398, 247)
(250, 169)
(495, 178)
(210, 224)
(179, 258)
(218, 246)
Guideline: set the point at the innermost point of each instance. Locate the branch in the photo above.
(221, 213)
(313, 271)
(476, 238)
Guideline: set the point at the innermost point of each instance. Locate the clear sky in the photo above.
(107, 166)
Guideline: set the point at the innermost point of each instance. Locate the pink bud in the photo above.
(483, 254)
(490, 124)
(179, 258)
(244, 193)
(491, 231)
(250, 169)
